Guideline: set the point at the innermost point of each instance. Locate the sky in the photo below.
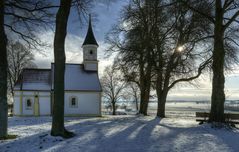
(104, 17)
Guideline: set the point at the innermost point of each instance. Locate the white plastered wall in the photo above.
(88, 103)
(44, 102)
(16, 105)
(91, 66)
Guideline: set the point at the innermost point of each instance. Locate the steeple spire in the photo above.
(90, 38)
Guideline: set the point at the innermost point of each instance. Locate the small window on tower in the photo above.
(91, 52)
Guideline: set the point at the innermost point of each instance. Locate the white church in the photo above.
(33, 92)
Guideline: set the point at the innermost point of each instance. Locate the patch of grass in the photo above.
(9, 137)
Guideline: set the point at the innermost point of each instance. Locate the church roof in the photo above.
(76, 79)
(34, 79)
(90, 38)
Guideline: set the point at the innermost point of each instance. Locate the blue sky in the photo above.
(105, 16)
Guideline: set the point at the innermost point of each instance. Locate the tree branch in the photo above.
(231, 20)
(210, 18)
(201, 67)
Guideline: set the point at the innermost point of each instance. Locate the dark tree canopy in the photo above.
(223, 17)
(160, 44)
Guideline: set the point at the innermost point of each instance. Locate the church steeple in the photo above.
(90, 38)
(90, 46)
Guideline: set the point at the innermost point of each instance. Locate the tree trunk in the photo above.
(136, 104)
(3, 75)
(162, 86)
(162, 98)
(11, 83)
(142, 89)
(218, 96)
(58, 128)
(145, 85)
(114, 108)
(144, 100)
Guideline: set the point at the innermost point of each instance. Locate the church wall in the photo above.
(88, 103)
(42, 107)
(91, 66)
(45, 105)
(25, 110)
(16, 107)
(87, 55)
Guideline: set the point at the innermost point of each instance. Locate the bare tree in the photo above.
(24, 20)
(58, 128)
(135, 51)
(224, 19)
(159, 46)
(113, 86)
(177, 57)
(133, 92)
(18, 19)
(82, 7)
(19, 57)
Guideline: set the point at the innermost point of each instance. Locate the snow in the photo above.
(34, 79)
(36, 86)
(120, 134)
(76, 78)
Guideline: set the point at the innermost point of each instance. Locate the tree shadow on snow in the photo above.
(197, 138)
(27, 121)
(116, 135)
(128, 134)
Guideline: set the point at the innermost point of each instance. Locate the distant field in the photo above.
(181, 108)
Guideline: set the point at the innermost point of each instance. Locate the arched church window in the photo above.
(28, 104)
(73, 102)
(91, 52)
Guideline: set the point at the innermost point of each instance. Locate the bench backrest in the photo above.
(226, 115)
(202, 114)
(231, 116)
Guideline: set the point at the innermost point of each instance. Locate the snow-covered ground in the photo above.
(121, 134)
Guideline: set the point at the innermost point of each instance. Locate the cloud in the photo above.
(234, 72)
(190, 94)
(203, 89)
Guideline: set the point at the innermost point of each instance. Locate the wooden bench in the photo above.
(231, 118)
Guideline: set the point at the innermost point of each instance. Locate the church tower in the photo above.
(90, 46)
